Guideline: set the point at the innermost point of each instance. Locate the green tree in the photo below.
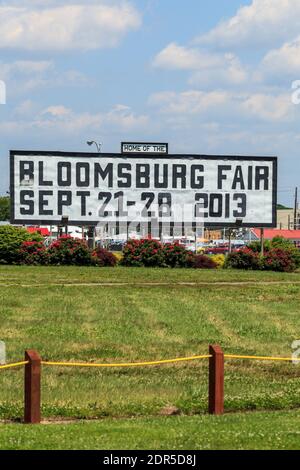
(4, 208)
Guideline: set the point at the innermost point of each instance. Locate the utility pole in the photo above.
(262, 242)
(296, 209)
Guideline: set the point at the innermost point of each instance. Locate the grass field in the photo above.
(124, 315)
(275, 430)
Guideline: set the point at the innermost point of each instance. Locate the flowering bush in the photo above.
(119, 256)
(278, 259)
(219, 260)
(175, 255)
(70, 251)
(34, 253)
(143, 253)
(103, 257)
(11, 240)
(281, 243)
(275, 259)
(244, 259)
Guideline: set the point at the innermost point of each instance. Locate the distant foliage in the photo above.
(11, 240)
(4, 208)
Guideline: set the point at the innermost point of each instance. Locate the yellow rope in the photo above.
(152, 363)
(261, 358)
(134, 364)
(17, 364)
(167, 361)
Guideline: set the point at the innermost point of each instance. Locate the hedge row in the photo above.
(66, 251)
(152, 253)
(17, 246)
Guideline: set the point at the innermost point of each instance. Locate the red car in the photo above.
(217, 250)
(222, 249)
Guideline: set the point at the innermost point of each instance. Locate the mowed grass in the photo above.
(69, 275)
(259, 431)
(41, 309)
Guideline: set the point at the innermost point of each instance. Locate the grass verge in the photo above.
(259, 431)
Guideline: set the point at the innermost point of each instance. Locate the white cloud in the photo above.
(264, 23)
(268, 107)
(24, 76)
(223, 105)
(80, 25)
(188, 102)
(282, 62)
(206, 68)
(9, 71)
(25, 109)
(58, 119)
(183, 58)
(57, 111)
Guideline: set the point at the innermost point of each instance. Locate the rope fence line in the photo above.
(262, 358)
(131, 364)
(17, 364)
(166, 361)
(216, 372)
(150, 363)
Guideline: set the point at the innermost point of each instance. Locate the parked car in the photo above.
(223, 249)
(217, 250)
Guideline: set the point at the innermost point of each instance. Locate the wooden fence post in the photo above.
(32, 391)
(216, 381)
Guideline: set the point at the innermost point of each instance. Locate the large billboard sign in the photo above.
(91, 188)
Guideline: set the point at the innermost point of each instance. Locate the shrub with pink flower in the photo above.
(145, 252)
(175, 255)
(277, 259)
(34, 253)
(153, 253)
(281, 259)
(70, 251)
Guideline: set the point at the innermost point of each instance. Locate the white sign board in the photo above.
(90, 189)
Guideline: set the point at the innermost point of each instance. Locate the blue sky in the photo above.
(208, 77)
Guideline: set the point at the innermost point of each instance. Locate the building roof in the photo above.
(43, 231)
(271, 233)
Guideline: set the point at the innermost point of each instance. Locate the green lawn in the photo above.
(146, 322)
(65, 275)
(275, 430)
